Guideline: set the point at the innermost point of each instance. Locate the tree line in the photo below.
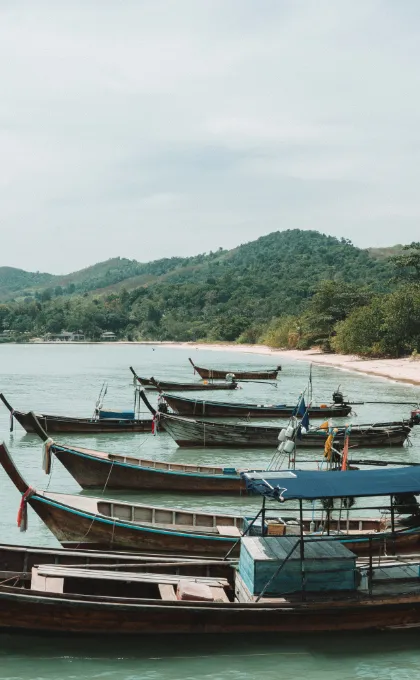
(290, 289)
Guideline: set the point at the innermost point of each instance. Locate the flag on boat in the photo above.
(300, 408)
(302, 411)
(346, 448)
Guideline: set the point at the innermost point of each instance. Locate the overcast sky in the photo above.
(154, 128)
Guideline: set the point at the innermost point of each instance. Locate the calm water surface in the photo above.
(66, 380)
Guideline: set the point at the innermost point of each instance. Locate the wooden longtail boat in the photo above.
(68, 599)
(105, 524)
(189, 432)
(163, 385)
(217, 374)
(115, 525)
(93, 469)
(65, 424)
(183, 406)
(282, 584)
(18, 561)
(96, 469)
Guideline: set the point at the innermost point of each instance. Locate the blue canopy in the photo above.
(286, 485)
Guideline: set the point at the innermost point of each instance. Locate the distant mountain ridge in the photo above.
(100, 277)
(116, 273)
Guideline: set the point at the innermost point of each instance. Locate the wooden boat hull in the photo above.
(19, 560)
(217, 374)
(91, 471)
(80, 521)
(195, 407)
(151, 384)
(42, 612)
(72, 527)
(68, 425)
(60, 425)
(188, 432)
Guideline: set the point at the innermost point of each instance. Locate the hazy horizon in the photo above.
(156, 129)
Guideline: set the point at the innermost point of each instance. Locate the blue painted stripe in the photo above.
(104, 520)
(201, 475)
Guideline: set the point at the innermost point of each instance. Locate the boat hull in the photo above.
(192, 407)
(93, 472)
(63, 425)
(188, 432)
(80, 529)
(213, 373)
(38, 612)
(151, 384)
(76, 528)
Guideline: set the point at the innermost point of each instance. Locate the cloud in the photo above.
(155, 128)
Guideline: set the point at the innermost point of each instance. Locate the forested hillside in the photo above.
(290, 288)
(13, 281)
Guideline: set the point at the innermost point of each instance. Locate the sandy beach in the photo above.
(405, 370)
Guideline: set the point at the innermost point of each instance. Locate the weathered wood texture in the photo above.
(219, 374)
(190, 432)
(49, 612)
(199, 407)
(93, 469)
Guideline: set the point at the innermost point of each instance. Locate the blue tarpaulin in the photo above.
(313, 484)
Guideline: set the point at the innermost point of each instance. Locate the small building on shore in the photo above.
(108, 335)
(65, 336)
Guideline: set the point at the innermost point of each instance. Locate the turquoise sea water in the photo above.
(66, 379)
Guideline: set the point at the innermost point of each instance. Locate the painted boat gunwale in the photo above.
(201, 475)
(102, 519)
(187, 406)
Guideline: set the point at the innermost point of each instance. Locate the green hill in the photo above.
(384, 253)
(13, 281)
(218, 296)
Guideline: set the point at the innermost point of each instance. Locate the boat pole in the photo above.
(263, 516)
(245, 532)
(392, 524)
(302, 549)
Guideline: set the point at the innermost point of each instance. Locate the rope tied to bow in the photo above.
(46, 455)
(155, 423)
(22, 516)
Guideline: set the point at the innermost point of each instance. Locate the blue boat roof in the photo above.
(286, 485)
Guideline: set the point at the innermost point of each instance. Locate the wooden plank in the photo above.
(52, 570)
(46, 583)
(167, 591)
(227, 530)
(219, 594)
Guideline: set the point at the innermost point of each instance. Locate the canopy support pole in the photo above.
(392, 524)
(302, 549)
(370, 572)
(245, 532)
(263, 516)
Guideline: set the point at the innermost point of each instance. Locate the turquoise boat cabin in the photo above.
(274, 565)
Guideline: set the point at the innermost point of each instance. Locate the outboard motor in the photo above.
(415, 417)
(230, 377)
(338, 397)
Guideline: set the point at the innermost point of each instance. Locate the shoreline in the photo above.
(404, 370)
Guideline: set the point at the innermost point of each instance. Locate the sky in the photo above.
(154, 128)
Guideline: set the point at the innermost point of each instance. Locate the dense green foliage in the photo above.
(13, 281)
(290, 288)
